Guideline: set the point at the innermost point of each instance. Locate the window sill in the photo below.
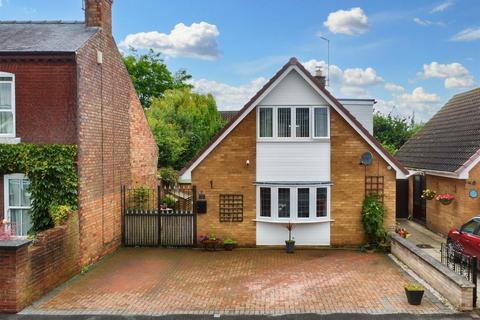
(309, 221)
(310, 140)
(9, 140)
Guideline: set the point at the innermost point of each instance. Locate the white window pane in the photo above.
(21, 222)
(26, 201)
(6, 122)
(284, 202)
(266, 122)
(303, 202)
(302, 116)
(284, 122)
(5, 96)
(265, 202)
(15, 192)
(321, 202)
(321, 122)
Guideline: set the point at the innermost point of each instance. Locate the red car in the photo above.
(468, 236)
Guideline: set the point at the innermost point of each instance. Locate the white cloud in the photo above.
(349, 22)
(422, 22)
(199, 40)
(394, 87)
(420, 103)
(469, 34)
(455, 74)
(229, 97)
(442, 6)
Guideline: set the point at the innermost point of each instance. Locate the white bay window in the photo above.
(17, 203)
(7, 105)
(293, 123)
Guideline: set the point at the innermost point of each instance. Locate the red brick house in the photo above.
(65, 83)
(293, 154)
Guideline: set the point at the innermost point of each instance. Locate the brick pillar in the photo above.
(13, 266)
(98, 13)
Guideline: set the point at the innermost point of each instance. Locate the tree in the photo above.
(394, 131)
(151, 77)
(182, 122)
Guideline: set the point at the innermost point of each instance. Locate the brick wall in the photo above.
(225, 168)
(348, 177)
(31, 271)
(45, 98)
(107, 109)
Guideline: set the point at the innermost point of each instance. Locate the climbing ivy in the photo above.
(52, 173)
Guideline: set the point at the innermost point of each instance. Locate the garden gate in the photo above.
(164, 216)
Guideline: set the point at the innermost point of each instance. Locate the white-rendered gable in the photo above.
(293, 90)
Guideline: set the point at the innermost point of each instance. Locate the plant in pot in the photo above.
(229, 244)
(290, 243)
(445, 198)
(414, 293)
(210, 243)
(428, 194)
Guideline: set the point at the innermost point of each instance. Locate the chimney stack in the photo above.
(319, 76)
(98, 13)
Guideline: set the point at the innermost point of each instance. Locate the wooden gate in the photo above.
(159, 217)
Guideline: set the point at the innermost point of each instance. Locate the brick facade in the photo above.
(224, 172)
(28, 272)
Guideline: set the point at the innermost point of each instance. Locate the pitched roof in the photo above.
(43, 36)
(450, 140)
(227, 115)
(293, 62)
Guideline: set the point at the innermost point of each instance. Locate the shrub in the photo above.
(170, 200)
(373, 212)
(59, 213)
(139, 198)
(168, 176)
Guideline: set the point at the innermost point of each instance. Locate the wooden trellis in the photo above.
(374, 185)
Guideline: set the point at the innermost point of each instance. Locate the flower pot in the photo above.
(445, 202)
(289, 246)
(414, 297)
(228, 246)
(210, 245)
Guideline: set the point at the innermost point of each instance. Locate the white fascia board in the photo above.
(399, 172)
(445, 174)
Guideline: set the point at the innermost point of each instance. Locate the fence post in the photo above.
(474, 280)
(159, 216)
(194, 210)
(123, 211)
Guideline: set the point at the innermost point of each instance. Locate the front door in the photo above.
(419, 204)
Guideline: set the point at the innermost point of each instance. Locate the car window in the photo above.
(470, 227)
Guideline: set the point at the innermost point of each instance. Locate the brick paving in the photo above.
(244, 281)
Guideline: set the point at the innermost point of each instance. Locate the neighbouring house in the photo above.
(293, 153)
(444, 157)
(65, 83)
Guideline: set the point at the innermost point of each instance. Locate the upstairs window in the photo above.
(302, 117)
(7, 104)
(321, 122)
(284, 122)
(266, 122)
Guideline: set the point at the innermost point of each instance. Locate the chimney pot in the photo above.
(98, 13)
(319, 76)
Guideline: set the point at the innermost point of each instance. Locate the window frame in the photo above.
(13, 107)
(293, 124)
(6, 197)
(274, 214)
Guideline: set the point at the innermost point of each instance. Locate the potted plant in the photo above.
(290, 243)
(428, 194)
(229, 244)
(414, 293)
(445, 198)
(210, 243)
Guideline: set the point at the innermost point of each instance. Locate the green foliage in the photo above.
(373, 212)
(414, 287)
(168, 175)
(394, 131)
(182, 122)
(229, 241)
(52, 173)
(139, 198)
(151, 77)
(59, 213)
(170, 200)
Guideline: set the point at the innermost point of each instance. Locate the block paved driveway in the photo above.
(244, 281)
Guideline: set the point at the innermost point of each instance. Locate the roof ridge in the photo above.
(42, 22)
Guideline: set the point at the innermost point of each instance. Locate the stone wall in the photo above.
(28, 271)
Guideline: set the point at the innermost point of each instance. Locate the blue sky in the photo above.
(411, 56)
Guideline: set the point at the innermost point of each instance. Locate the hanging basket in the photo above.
(428, 194)
(445, 198)
(446, 202)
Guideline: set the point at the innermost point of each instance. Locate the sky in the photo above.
(411, 56)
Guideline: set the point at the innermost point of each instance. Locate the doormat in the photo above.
(424, 246)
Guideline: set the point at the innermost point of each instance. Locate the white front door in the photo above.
(17, 203)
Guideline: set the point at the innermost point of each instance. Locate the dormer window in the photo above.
(7, 105)
(293, 123)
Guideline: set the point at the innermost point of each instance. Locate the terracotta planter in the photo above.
(211, 245)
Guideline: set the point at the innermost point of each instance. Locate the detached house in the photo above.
(294, 153)
(65, 83)
(443, 157)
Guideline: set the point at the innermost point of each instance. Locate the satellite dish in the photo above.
(367, 159)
